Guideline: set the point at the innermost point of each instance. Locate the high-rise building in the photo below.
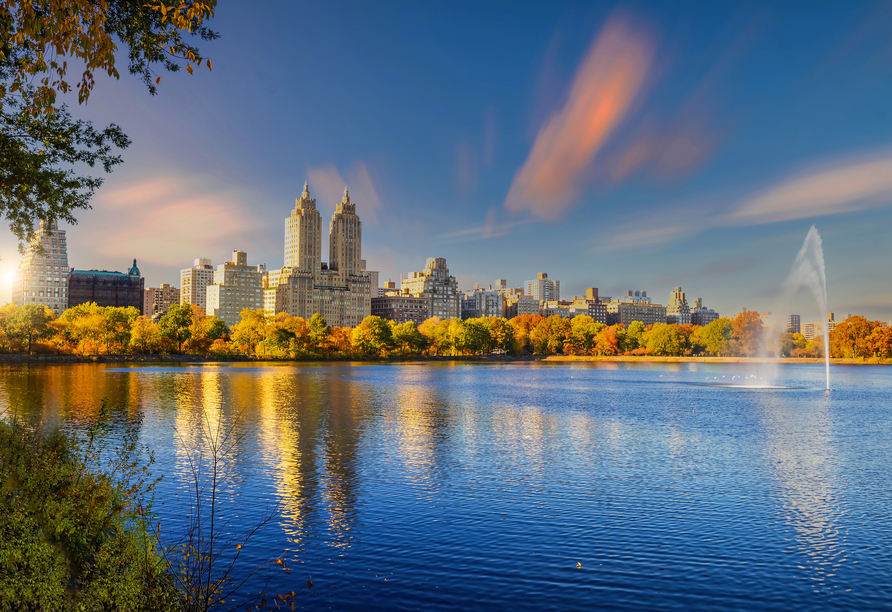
(236, 287)
(677, 310)
(543, 289)
(339, 290)
(793, 324)
(106, 288)
(42, 276)
(194, 282)
(700, 315)
(437, 286)
(157, 300)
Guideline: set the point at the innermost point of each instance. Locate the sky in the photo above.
(642, 145)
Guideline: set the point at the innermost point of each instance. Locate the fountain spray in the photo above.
(808, 271)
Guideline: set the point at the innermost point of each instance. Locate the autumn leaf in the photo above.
(309, 584)
(158, 81)
(189, 68)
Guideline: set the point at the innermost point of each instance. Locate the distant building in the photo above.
(590, 305)
(626, 312)
(400, 308)
(793, 325)
(106, 288)
(553, 308)
(635, 297)
(437, 286)
(42, 276)
(194, 282)
(812, 330)
(236, 287)
(831, 322)
(482, 303)
(677, 310)
(157, 300)
(700, 315)
(543, 289)
(517, 304)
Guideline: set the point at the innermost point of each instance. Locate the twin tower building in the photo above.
(339, 290)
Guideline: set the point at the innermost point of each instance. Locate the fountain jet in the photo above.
(808, 271)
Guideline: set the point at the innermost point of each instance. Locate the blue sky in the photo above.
(631, 146)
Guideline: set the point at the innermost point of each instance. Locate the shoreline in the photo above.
(200, 359)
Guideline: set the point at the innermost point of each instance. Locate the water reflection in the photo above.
(800, 448)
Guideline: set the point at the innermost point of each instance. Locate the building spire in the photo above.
(346, 199)
(306, 193)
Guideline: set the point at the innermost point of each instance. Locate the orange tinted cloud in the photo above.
(169, 221)
(604, 89)
(327, 186)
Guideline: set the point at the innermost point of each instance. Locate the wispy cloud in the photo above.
(843, 187)
(360, 180)
(170, 221)
(847, 185)
(604, 89)
(492, 227)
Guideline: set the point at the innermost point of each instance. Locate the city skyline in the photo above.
(703, 177)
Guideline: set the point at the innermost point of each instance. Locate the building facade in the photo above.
(436, 286)
(236, 287)
(543, 289)
(106, 288)
(482, 303)
(157, 300)
(590, 305)
(339, 290)
(626, 312)
(194, 282)
(793, 324)
(700, 315)
(554, 308)
(635, 296)
(677, 310)
(400, 308)
(42, 275)
(517, 304)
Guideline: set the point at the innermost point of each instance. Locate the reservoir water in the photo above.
(444, 486)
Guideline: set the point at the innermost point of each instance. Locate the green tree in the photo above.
(251, 331)
(372, 336)
(30, 322)
(501, 333)
(635, 337)
(666, 339)
(716, 336)
(115, 327)
(42, 146)
(176, 325)
(319, 332)
(144, 336)
(407, 338)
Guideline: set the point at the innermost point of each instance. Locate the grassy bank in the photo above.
(72, 538)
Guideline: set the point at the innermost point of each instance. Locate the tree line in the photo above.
(89, 329)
